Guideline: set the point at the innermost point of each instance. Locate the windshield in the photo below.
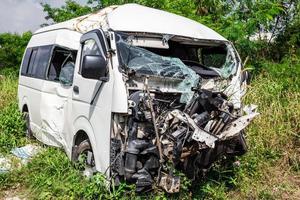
(186, 62)
(145, 62)
(213, 59)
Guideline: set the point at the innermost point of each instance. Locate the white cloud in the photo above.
(23, 15)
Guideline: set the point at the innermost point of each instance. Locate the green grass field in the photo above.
(270, 169)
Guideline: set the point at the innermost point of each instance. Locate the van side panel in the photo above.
(31, 87)
(29, 92)
(62, 37)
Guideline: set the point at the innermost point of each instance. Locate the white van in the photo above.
(137, 93)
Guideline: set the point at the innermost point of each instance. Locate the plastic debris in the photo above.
(21, 155)
(26, 152)
(5, 165)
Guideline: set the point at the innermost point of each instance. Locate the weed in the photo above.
(12, 128)
(270, 169)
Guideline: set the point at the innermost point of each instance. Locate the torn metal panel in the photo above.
(198, 134)
(237, 126)
(190, 138)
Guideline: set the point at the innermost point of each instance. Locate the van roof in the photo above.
(137, 18)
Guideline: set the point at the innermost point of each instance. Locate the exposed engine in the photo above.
(161, 134)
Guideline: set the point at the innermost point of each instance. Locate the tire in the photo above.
(83, 154)
(28, 131)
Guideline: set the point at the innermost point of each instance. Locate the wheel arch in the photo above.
(25, 108)
(83, 131)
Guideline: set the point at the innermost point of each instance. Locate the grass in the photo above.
(270, 169)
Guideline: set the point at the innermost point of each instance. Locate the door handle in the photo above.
(76, 89)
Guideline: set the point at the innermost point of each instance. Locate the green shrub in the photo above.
(51, 175)
(12, 128)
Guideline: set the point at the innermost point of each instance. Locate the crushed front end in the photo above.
(178, 119)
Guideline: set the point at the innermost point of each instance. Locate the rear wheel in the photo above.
(28, 131)
(84, 157)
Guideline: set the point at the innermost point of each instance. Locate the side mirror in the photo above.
(94, 67)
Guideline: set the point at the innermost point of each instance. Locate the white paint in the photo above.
(137, 18)
(57, 113)
(62, 37)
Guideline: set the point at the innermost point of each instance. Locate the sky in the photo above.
(18, 16)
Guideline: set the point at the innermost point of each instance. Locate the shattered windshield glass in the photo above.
(145, 62)
(221, 60)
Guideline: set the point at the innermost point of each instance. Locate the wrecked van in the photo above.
(135, 93)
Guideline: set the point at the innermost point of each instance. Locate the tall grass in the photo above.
(270, 169)
(11, 121)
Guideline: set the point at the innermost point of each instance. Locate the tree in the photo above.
(12, 47)
(238, 21)
(70, 10)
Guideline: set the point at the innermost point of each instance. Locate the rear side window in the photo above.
(41, 61)
(26, 61)
(31, 62)
(36, 61)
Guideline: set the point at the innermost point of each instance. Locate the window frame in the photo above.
(24, 66)
(32, 49)
(95, 35)
(43, 75)
(51, 58)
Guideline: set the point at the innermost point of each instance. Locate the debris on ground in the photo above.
(20, 156)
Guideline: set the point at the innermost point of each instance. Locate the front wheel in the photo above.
(84, 157)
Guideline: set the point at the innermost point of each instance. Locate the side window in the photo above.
(32, 61)
(36, 61)
(26, 61)
(62, 65)
(90, 47)
(94, 61)
(213, 56)
(41, 61)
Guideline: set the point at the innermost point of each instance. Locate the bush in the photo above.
(12, 47)
(12, 128)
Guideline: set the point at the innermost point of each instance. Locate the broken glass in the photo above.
(229, 67)
(67, 73)
(145, 62)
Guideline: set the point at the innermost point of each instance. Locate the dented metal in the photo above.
(166, 133)
(179, 118)
(171, 100)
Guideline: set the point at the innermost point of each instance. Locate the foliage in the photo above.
(12, 47)
(267, 171)
(243, 22)
(271, 168)
(11, 128)
(11, 121)
(70, 10)
(51, 175)
(288, 39)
